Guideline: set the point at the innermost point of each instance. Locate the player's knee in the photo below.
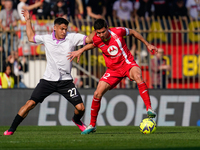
(80, 107)
(97, 94)
(138, 77)
(30, 104)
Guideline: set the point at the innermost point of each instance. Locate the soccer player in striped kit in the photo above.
(120, 63)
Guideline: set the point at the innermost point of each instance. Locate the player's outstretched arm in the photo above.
(150, 47)
(89, 37)
(78, 53)
(29, 30)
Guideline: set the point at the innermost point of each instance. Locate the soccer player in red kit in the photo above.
(120, 63)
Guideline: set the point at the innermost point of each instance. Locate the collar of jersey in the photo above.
(54, 37)
(107, 38)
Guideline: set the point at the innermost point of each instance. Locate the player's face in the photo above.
(60, 31)
(102, 33)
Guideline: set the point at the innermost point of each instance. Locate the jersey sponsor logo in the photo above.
(112, 50)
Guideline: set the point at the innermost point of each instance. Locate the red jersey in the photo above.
(115, 50)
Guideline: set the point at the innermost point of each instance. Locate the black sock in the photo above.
(77, 118)
(18, 119)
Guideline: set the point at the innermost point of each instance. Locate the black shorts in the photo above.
(64, 87)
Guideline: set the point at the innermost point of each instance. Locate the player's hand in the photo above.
(73, 55)
(26, 14)
(152, 48)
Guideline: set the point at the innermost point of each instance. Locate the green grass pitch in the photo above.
(106, 138)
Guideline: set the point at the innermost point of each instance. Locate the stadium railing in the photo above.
(180, 39)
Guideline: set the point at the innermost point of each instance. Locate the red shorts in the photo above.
(113, 77)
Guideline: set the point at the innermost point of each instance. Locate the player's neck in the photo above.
(108, 38)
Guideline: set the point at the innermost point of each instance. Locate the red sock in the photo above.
(96, 103)
(143, 90)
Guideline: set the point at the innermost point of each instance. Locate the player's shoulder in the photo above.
(45, 37)
(96, 39)
(72, 34)
(119, 30)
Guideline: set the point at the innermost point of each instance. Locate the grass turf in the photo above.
(106, 137)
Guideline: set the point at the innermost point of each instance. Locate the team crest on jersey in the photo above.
(112, 50)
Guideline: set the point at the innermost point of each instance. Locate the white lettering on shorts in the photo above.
(72, 92)
(106, 75)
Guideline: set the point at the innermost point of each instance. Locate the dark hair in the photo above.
(99, 24)
(60, 21)
(7, 65)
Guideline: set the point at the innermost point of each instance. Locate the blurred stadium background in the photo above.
(177, 104)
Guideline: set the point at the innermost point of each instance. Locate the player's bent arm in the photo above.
(150, 47)
(89, 37)
(86, 47)
(78, 53)
(29, 31)
(138, 36)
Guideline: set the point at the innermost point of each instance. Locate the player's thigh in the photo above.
(112, 78)
(135, 73)
(70, 92)
(102, 88)
(43, 89)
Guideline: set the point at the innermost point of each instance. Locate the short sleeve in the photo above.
(94, 43)
(79, 39)
(38, 39)
(122, 31)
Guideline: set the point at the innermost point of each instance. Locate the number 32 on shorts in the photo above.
(106, 75)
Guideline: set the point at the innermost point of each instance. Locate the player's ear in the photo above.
(54, 27)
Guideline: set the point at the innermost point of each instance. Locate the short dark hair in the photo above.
(60, 21)
(99, 24)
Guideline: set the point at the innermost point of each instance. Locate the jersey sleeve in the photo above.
(95, 41)
(79, 39)
(38, 39)
(122, 31)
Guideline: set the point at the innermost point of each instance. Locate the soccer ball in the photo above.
(147, 126)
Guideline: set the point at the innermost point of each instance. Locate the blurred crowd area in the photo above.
(119, 9)
(22, 63)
